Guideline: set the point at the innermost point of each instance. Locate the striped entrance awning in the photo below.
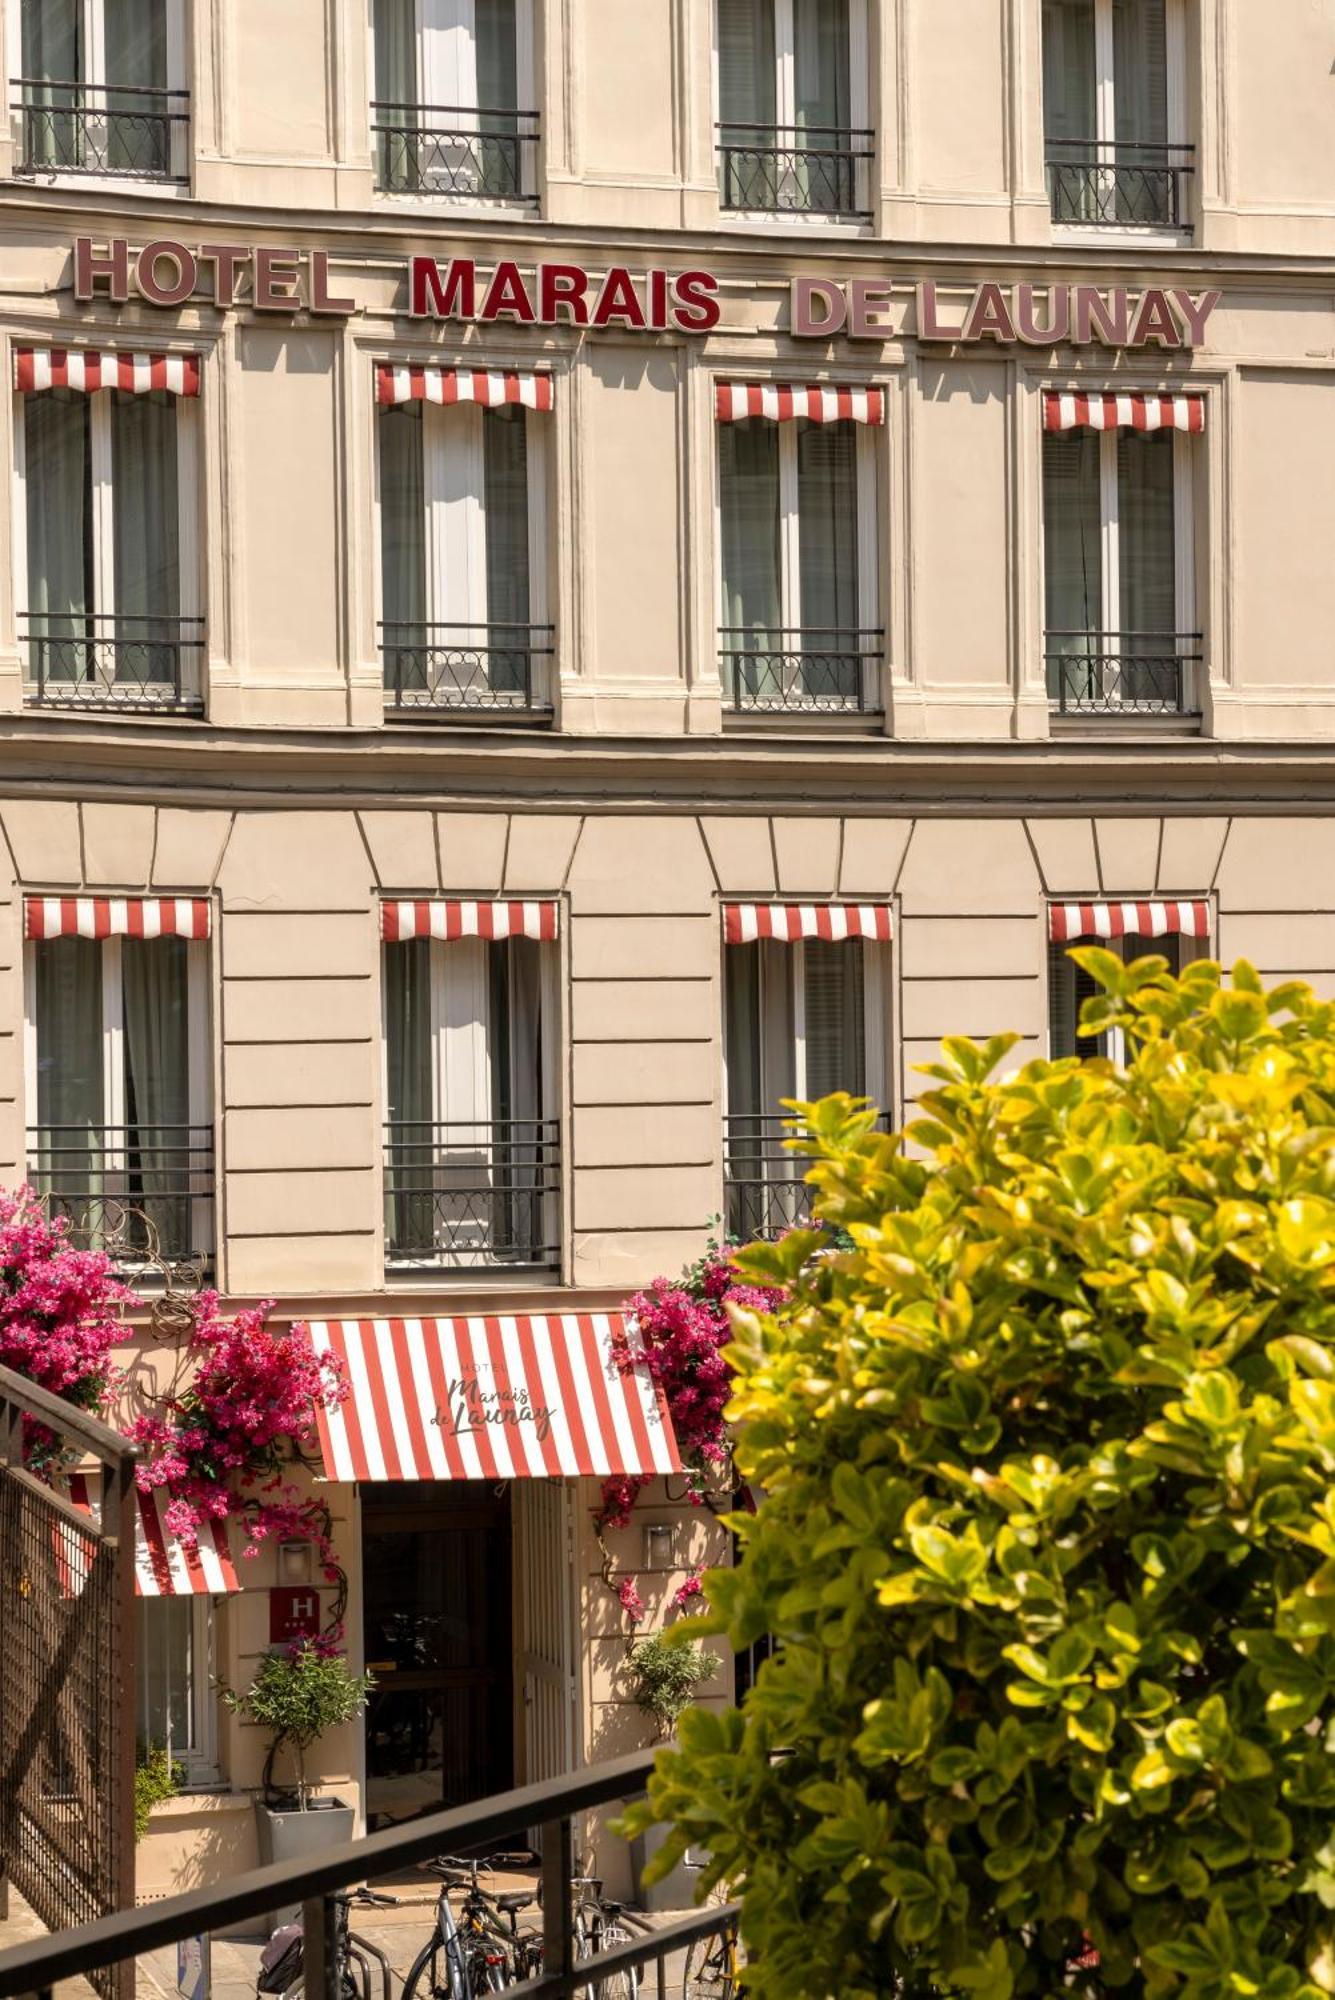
(1069, 921)
(509, 1396)
(117, 916)
(163, 1565)
(744, 923)
(90, 369)
(1065, 412)
(436, 918)
(783, 404)
(490, 387)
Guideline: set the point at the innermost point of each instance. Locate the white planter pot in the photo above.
(677, 1890)
(287, 1834)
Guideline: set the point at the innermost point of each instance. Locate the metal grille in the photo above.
(812, 671)
(66, 1672)
(451, 151)
(137, 130)
(765, 1193)
(468, 1195)
(1122, 673)
(491, 668)
(118, 661)
(781, 169)
(139, 1192)
(1116, 185)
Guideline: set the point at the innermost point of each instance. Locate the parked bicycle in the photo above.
(282, 1962)
(713, 1967)
(482, 1948)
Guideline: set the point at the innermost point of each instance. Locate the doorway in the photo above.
(438, 1631)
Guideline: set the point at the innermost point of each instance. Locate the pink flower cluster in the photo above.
(59, 1307)
(252, 1401)
(631, 1601)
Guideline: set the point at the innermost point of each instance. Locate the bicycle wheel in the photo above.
(617, 1985)
(434, 1977)
(707, 1975)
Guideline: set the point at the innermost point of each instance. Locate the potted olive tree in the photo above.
(665, 1673)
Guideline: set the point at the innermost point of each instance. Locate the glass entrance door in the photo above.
(437, 1621)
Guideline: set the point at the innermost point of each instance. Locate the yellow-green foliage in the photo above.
(1049, 1542)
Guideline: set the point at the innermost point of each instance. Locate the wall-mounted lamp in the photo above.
(658, 1549)
(294, 1562)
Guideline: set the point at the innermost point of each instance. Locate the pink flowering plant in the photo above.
(60, 1311)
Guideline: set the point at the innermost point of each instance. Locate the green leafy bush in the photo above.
(1049, 1542)
(665, 1672)
(298, 1695)
(156, 1779)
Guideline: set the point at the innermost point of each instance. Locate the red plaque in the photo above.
(294, 1612)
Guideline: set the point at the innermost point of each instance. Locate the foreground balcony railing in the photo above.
(467, 1195)
(1120, 185)
(815, 670)
(135, 1191)
(1123, 673)
(137, 130)
(78, 661)
(791, 169)
(449, 669)
(456, 152)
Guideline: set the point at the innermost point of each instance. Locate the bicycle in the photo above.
(713, 1967)
(599, 1924)
(472, 1953)
(282, 1962)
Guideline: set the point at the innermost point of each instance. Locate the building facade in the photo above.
(573, 569)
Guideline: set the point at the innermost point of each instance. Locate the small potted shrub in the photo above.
(665, 1673)
(157, 1778)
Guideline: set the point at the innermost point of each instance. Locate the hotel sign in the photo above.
(281, 280)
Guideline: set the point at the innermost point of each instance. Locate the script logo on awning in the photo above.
(472, 1408)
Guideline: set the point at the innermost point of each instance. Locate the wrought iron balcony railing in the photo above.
(113, 661)
(133, 129)
(1119, 184)
(469, 1195)
(795, 170)
(456, 152)
(137, 1191)
(1123, 673)
(813, 670)
(448, 669)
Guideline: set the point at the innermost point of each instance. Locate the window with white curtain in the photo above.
(792, 105)
(1069, 986)
(800, 1020)
(1114, 111)
(101, 87)
(110, 597)
(176, 1704)
(454, 91)
(119, 1135)
(797, 521)
(1119, 571)
(463, 556)
(472, 1139)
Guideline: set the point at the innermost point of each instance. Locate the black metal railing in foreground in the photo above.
(455, 152)
(135, 1191)
(813, 670)
(113, 661)
(452, 669)
(136, 129)
(35, 1968)
(1116, 184)
(1122, 673)
(467, 1195)
(792, 169)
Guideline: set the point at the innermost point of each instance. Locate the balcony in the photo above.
(764, 1188)
(794, 170)
(133, 131)
(454, 153)
(138, 1192)
(1120, 185)
(471, 1195)
(489, 672)
(812, 670)
(146, 664)
(1123, 674)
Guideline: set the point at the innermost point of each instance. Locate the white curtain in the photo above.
(154, 974)
(835, 1033)
(1072, 551)
(821, 103)
(409, 1095)
(57, 489)
(70, 1083)
(505, 511)
(752, 569)
(147, 535)
(827, 506)
(166, 1638)
(1146, 541)
(403, 545)
(520, 1224)
(397, 92)
(52, 56)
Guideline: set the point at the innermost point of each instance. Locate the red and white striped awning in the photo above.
(491, 387)
(88, 369)
(744, 923)
(783, 404)
(117, 916)
(451, 920)
(163, 1565)
(1069, 921)
(506, 1396)
(1064, 412)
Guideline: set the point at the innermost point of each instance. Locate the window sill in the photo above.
(1127, 725)
(1169, 235)
(145, 184)
(501, 1277)
(796, 218)
(787, 721)
(513, 206)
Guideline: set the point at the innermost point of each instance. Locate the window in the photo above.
(452, 79)
(109, 547)
(1114, 101)
(1069, 987)
(175, 1682)
(801, 1020)
(99, 88)
(463, 558)
(472, 1141)
(792, 84)
(797, 508)
(118, 1076)
(1119, 582)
